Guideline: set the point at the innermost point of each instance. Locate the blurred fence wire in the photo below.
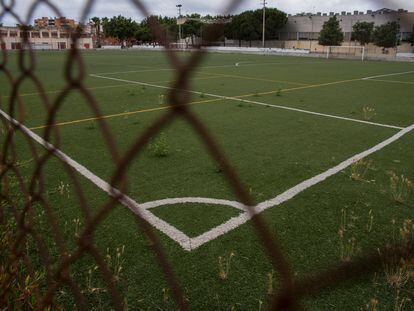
(17, 216)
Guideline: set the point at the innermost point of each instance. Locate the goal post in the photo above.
(346, 51)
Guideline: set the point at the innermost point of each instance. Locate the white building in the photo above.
(42, 39)
(308, 26)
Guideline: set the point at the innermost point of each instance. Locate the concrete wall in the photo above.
(309, 26)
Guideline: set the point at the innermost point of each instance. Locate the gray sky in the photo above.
(72, 8)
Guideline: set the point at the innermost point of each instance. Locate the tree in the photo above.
(120, 27)
(386, 35)
(192, 26)
(248, 25)
(97, 24)
(362, 32)
(331, 33)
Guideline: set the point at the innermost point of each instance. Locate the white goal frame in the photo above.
(350, 47)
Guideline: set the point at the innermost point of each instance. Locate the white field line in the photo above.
(252, 102)
(158, 223)
(216, 66)
(237, 221)
(181, 238)
(388, 75)
(391, 81)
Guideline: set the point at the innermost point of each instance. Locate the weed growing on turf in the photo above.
(399, 270)
(368, 113)
(64, 189)
(260, 305)
(165, 295)
(270, 283)
(347, 241)
(372, 305)
(161, 100)
(90, 127)
(279, 93)
(115, 263)
(202, 95)
(158, 146)
(359, 170)
(401, 188)
(224, 264)
(370, 221)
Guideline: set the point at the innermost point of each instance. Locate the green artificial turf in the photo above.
(272, 150)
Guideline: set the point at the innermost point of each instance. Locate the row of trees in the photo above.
(245, 26)
(125, 29)
(384, 36)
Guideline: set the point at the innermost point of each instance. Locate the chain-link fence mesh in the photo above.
(19, 265)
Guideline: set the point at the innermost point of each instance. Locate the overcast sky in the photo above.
(72, 8)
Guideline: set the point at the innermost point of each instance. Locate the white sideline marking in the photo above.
(187, 243)
(158, 223)
(251, 102)
(239, 64)
(389, 75)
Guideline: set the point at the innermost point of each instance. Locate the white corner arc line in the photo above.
(389, 75)
(251, 102)
(182, 239)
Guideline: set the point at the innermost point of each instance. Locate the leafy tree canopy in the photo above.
(331, 33)
(386, 35)
(248, 25)
(362, 32)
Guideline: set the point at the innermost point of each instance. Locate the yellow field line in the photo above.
(103, 87)
(251, 78)
(300, 88)
(122, 114)
(192, 103)
(390, 81)
(58, 91)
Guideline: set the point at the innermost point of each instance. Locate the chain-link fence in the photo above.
(18, 266)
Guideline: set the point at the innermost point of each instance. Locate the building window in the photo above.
(13, 33)
(54, 34)
(35, 34)
(45, 34)
(62, 45)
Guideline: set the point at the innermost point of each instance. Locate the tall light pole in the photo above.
(264, 23)
(179, 6)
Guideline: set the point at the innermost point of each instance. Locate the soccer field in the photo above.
(315, 141)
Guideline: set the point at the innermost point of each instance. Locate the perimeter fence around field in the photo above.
(18, 266)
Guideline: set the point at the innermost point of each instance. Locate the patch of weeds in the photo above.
(270, 283)
(401, 188)
(359, 170)
(224, 264)
(368, 113)
(202, 95)
(162, 100)
(131, 93)
(279, 93)
(241, 105)
(64, 189)
(347, 240)
(158, 146)
(90, 126)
